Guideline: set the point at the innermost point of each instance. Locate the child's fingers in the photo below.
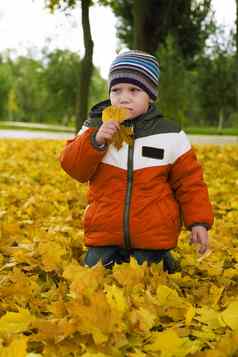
(204, 245)
(111, 124)
(203, 248)
(108, 136)
(193, 237)
(109, 132)
(196, 239)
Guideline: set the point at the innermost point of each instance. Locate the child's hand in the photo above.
(106, 132)
(200, 235)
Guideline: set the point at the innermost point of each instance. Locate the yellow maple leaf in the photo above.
(54, 329)
(94, 354)
(123, 135)
(230, 273)
(57, 308)
(169, 297)
(215, 293)
(143, 318)
(84, 281)
(118, 114)
(116, 298)
(51, 254)
(11, 228)
(21, 285)
(227, 346)
(114, 113)
(137, 353)
(17, 348)
(129, 274)
(204, 335)
(190, 315)
(15, 322)
(209, 317)
(230, 315)
(94, 318)
(169, 344)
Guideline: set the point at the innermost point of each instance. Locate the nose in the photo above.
(124, 98)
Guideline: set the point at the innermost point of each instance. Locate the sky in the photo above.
(26, 24)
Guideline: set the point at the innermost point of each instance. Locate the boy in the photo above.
(138, 193)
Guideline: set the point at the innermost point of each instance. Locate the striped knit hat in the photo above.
(136, 67)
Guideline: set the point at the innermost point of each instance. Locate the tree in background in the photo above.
(5, 86)
(177, 33)
(98, 88)
(173, 94)
(29, 89)
(201, 95)
(145, 25)
(179, 86)
(44, 90)
(87, 61)
(217, 82)
(87, 67)
(236, 41)
(62, 76)
(12, 106)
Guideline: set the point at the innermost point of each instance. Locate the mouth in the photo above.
(129, 109)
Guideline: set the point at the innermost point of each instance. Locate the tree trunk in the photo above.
(10, 116)
(86, 68)
(236, 55)
(221, 120)
(139, 18)
(146, 31)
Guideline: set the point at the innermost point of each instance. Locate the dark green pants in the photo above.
(109, 255)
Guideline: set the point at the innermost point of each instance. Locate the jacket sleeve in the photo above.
(80, 158)
(186, 179)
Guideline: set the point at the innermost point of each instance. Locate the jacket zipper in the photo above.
(126, 217)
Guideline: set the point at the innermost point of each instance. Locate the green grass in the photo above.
(211, 131)
(58, 128)
(35, 127)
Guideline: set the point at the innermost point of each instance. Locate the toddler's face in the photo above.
(131, 97)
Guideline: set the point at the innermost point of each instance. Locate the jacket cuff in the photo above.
(205, 225)
(95, 144)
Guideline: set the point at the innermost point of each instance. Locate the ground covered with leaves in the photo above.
(50, 305)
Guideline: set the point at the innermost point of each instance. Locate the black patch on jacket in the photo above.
(153, 153)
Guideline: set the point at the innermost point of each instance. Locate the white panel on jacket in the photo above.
(157, 141)
(173, 144)
(82, 130)
(181, 145)
(117, 158)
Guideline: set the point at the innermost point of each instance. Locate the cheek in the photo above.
(113, 99)
(142, 103)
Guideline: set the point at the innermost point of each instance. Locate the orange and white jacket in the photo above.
(139, 195)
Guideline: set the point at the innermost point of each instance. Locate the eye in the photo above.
(115, 90)
(135, 89)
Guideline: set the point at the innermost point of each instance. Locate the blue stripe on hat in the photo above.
(150, 66)
(151, 70)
